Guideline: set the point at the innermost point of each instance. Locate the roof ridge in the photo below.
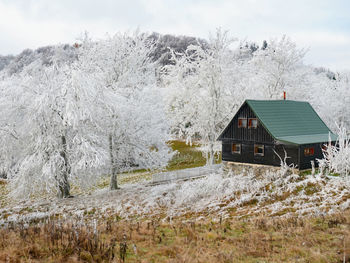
(277, 100)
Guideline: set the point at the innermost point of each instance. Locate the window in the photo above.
(309, 151)
(252, 123)
(242, 123)
(259, 149)
(236, 148)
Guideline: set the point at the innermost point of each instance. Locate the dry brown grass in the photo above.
(319, 239)
(3, 193)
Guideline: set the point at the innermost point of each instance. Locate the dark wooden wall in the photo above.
(292, 154)
(305, 161)
(269, 158)
(232, 132)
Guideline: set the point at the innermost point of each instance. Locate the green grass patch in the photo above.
(305, 173)
(187, 156)
(334, 174)
(309, 172)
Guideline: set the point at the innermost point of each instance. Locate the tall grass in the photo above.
(319, 239)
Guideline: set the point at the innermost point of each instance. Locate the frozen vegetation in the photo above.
(213, 196)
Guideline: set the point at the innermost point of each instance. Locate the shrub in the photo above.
(337, 156)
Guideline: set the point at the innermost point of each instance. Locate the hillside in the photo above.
(43, 55)
(214, 196)
(275, 217)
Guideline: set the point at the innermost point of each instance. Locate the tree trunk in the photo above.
(114, 182)
(211, 154)
(63, 184)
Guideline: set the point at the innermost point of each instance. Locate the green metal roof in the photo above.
(306, 139)
(291, 121)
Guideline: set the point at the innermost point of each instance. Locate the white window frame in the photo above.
(239, 146)
(253, 127)
(259, 146)
(246, 122)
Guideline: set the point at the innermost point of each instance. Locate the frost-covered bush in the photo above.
(337, 157)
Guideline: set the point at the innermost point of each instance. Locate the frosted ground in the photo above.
(213, 196)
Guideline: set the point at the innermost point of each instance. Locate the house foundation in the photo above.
(257, 169)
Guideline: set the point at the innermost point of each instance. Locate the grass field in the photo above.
(321, 239)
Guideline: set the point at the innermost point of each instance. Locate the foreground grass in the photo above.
(320, 239)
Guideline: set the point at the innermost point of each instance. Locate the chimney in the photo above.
(284, 95)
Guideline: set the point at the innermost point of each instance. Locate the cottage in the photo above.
(261, 129)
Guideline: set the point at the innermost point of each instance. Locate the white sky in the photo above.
(323, 26)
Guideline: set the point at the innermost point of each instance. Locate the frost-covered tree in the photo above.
(52, 113)
(136, 127)
(42, 57)
(8, 136)
(276, 68)
(334, 95)
(201, 91)
(162, 54)
(337, 156)
(139, 134)
(5, 60)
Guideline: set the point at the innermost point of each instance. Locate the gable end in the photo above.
(233, 132)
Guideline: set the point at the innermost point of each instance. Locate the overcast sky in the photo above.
(320, 25)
